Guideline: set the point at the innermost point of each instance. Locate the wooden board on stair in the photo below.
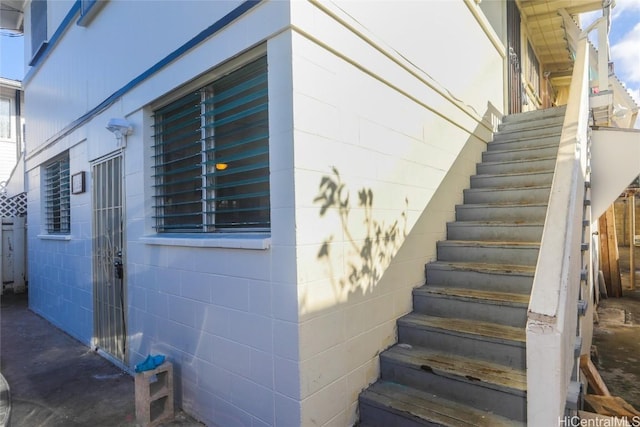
(593, 376)
(602, 420)
(612, 406)
(610, 260)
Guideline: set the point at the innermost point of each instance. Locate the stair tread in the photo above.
(484, 267)
(496, 223)
(507, 298)
(544, 113)
(491, 175)
(414, 403)
(543, 128)
(489, 243)
(466, 327)
(464, 368)
(515, 188)
(508, 162)
(510, 204)
(520, 149)
(550, 120)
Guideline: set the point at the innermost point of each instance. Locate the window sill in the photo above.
(54, 236)
(256, 241)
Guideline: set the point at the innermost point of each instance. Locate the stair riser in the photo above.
(520, 233)
(538, 179)
(499, 402)
(373, 416)
(524, 213)
(513, 356)
(516, 167)
(517, 195)
(544, 132)
(488, 255)
(515, 283)
(530, 154)
(511, 126)
(445, 306)
(517, 143)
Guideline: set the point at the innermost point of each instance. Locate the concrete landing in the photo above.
(5, 402)
(57, 381)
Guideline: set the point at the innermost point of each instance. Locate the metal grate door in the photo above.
(109, 308)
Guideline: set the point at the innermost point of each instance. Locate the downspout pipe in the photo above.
(18, 109)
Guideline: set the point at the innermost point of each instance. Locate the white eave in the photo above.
(12, 15)
(10, 83)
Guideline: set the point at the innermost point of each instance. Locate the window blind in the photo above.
(57, 197)
(211, 156)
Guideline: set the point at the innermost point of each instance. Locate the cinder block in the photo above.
(154, 396)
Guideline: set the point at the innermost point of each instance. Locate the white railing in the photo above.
(553, 308)
(600, 57)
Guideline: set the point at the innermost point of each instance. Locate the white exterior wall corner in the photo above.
(382, 94)
(227, 318)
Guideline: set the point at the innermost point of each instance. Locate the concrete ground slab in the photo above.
(5, 402)
(56, 380)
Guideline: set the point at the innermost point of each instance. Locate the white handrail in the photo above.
(553, 307)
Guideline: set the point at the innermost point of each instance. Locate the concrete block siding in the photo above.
(289, 334)
(361, 111)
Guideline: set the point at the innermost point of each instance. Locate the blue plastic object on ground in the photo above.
(151, 362)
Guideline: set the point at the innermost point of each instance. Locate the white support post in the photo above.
(603, 56)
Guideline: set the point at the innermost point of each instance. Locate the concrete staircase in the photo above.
(461, 354)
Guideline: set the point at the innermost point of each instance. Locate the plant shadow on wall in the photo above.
(366, 257)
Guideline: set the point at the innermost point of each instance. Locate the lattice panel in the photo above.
(13, 206)
(20, 204)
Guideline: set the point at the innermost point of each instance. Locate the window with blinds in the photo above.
(211, 155)
(56, 197)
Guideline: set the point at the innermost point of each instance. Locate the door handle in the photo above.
(118, 265)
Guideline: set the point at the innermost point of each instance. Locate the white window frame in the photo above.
(56, 196)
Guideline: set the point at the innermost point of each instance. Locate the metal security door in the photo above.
(513, 41)
(109, 290)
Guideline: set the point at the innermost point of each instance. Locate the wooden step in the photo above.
(502, 308)
(504, 345)
(495, 231)
(481, 385)
(386, 404)
(513, 253)
(490, 277)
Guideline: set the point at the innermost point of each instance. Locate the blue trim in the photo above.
(39, 53)
(42, 54)
(202, 36)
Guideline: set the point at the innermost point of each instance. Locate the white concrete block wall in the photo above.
(60, 281)
(226, 317)
(362, 109)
